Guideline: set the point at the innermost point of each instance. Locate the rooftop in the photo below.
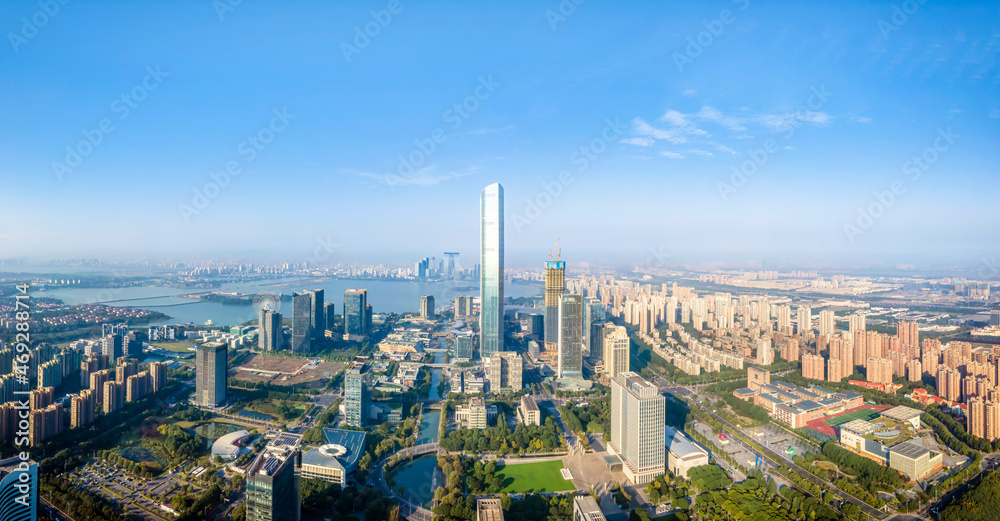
(861, 427)
(909, 450)
(902, 413)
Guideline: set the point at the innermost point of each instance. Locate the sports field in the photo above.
(857, 414)
(537, 477)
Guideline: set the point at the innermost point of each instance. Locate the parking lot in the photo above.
(135, 495)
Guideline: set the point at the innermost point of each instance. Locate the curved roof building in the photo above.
(229, 446)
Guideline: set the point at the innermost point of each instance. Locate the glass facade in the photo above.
(491, 270)
(570, 345)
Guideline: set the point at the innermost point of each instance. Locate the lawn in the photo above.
(180, 346)
(860, 414)
(281, 410)
(538, 477)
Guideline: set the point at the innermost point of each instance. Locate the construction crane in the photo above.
(553, 251)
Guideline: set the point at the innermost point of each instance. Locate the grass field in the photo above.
(180, 346)
(538, 477)
(860, 414)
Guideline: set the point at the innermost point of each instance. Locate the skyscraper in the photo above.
(18, 490)
(827, 324)
(269, 335)
(273, 486)
(329, 315)
(355, 314)
(302, 322)
(317, 312)
(211, 367)
(491, 270)
(616, 350)
(637, 433)
(555, 287)
(804, 320)
(463, 306)
(570, 343)
(427, 307)
(357, 393)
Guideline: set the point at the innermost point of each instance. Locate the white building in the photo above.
(637, 435)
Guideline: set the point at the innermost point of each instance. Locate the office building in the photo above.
(463, 347)
(132, 344)
(336, 459)
(269, 335)
(569, 359)
(488, 509)
(637, 427)
(585, 508)
(757, 377)
(555, 287)
(357, 394)
(915, 461)
(427, 307)
(615, 349)
(273, 483)
(18, 490)
(355, 314)
(472, 415)
(211, 367)
(491, 279)
(329, 315)
(505, 372)
(528, 412)
(683, 453)
(302, 321)
(114, 346)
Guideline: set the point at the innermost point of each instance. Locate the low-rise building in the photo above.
(472, 415)
(585, 508)
(683, 453)
(913, 460)
(528, 412)
(337, 459)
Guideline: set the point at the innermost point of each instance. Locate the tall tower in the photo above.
(302, 322)
(491, 269)
(211, 367)
(555, 287)
(355, 314)
(637, 434)
(570, 343)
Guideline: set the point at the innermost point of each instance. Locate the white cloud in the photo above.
(423, 177)
(645, 129)
(689, 92)
(639, 141)
(672, 155)
(493, 130)
(699, 152)
(675, 118)
(712, 114)
(864, 120)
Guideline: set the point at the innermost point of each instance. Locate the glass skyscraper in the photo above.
(491, 270)
(570, 344)
(356, 320)
(302, 320)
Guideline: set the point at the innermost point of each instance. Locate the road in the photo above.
(777, 460)
(554, 402)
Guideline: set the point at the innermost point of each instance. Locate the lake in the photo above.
(385, 296)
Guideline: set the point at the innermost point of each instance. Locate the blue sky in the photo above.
(663, 108)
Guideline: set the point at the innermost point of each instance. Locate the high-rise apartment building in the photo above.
(765, 353)
(804, 321)
(427, 307)
(113, 396)
(834, 370)
(463, 306)
(269, 335)
(569, 359)
(908, 333)
(506, 371)
(879, 370)
(357, 393)
(211, 367)
(158, 375)
(114, 346)
(491, 253)
(355, 314)
(616, 350)
(856, 323)
(637, 433)
(555, 287)
(827, 323)
(813, 366)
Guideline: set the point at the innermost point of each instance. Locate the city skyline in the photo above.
(650, 129)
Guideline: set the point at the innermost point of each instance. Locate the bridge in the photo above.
(407, 509)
